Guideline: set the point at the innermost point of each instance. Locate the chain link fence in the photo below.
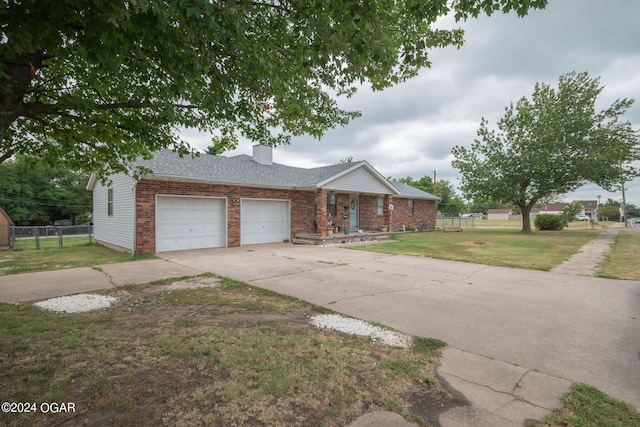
(50, 236)
(455, 222)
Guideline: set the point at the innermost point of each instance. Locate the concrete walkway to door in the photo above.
(579, 328)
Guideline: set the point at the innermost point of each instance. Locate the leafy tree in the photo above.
(481, 204)
(95, 84)
(551, 144)
(450, 205)
(633, 211)
(213, 150)
(345, 161)
(610, 211)
(571, 210)
(35, 193)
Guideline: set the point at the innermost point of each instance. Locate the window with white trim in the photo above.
(381, 205)
(410, 206)
(110, 202)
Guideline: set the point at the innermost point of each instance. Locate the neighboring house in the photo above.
(590, 208)
(551, 208)
(499, 214)
(216, 201)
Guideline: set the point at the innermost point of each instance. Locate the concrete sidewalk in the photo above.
(590, 257)
(56, 283)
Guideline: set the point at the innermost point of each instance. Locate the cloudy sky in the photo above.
(409, 130)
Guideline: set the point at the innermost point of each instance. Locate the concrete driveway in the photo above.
(580, 328)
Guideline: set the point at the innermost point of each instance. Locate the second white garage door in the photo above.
(190, 223)
(264, 221)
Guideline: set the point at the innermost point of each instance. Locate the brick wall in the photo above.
(303, 210)
(301, 205)
(369, 218)
(424, 211)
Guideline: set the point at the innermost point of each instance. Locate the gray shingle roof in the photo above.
(243, 170)
(409, 192)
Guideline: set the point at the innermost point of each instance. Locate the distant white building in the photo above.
(499, 214)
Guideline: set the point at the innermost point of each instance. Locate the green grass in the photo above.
(206, 356)
(586, 406)
(622, 261)
(51, 242)
(540, 250)
(75, 254)
(518, 223)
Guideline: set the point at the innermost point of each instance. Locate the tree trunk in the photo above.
(14, 84)
(526, 219)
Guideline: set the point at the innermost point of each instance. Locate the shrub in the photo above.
(550, 222)
(410, 228)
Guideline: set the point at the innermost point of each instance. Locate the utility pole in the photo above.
(435, 190)
(624, 207)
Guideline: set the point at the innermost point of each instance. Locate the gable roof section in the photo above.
(360, 177)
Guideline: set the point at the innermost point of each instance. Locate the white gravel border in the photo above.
(87, 302)
(362, 328)
(77, 303)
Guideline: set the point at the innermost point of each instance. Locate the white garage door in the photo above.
(264, 221)
(190, 223)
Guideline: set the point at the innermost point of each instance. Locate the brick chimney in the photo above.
(263, 154)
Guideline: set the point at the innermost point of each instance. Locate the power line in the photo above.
(48, 205)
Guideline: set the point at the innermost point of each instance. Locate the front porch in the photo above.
(337, 211)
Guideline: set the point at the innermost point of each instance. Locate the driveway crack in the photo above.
(382, 293)
(110, 277)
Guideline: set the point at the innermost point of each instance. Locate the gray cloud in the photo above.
(409, 130)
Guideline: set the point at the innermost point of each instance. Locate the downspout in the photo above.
(135, 210)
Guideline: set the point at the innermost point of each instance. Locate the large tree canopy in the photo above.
(551, 144)
(450, 203)
(33, 193)
(96, 83)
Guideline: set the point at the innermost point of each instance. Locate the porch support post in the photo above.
(388, 213)
(321, 211)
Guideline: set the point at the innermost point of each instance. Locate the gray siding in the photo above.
(358, 181)
(117, 229)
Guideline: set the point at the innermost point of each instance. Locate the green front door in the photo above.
(353, 212)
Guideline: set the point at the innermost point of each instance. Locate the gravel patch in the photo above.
(77, 303)
(87, 302)
(360, 327)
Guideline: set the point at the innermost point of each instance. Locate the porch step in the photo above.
(298, 241)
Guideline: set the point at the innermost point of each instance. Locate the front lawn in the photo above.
(623, 261)
(224, 355)
(586, 406)
(540, 250)
(73, 254)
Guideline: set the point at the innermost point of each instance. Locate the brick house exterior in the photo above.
(233, 190)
